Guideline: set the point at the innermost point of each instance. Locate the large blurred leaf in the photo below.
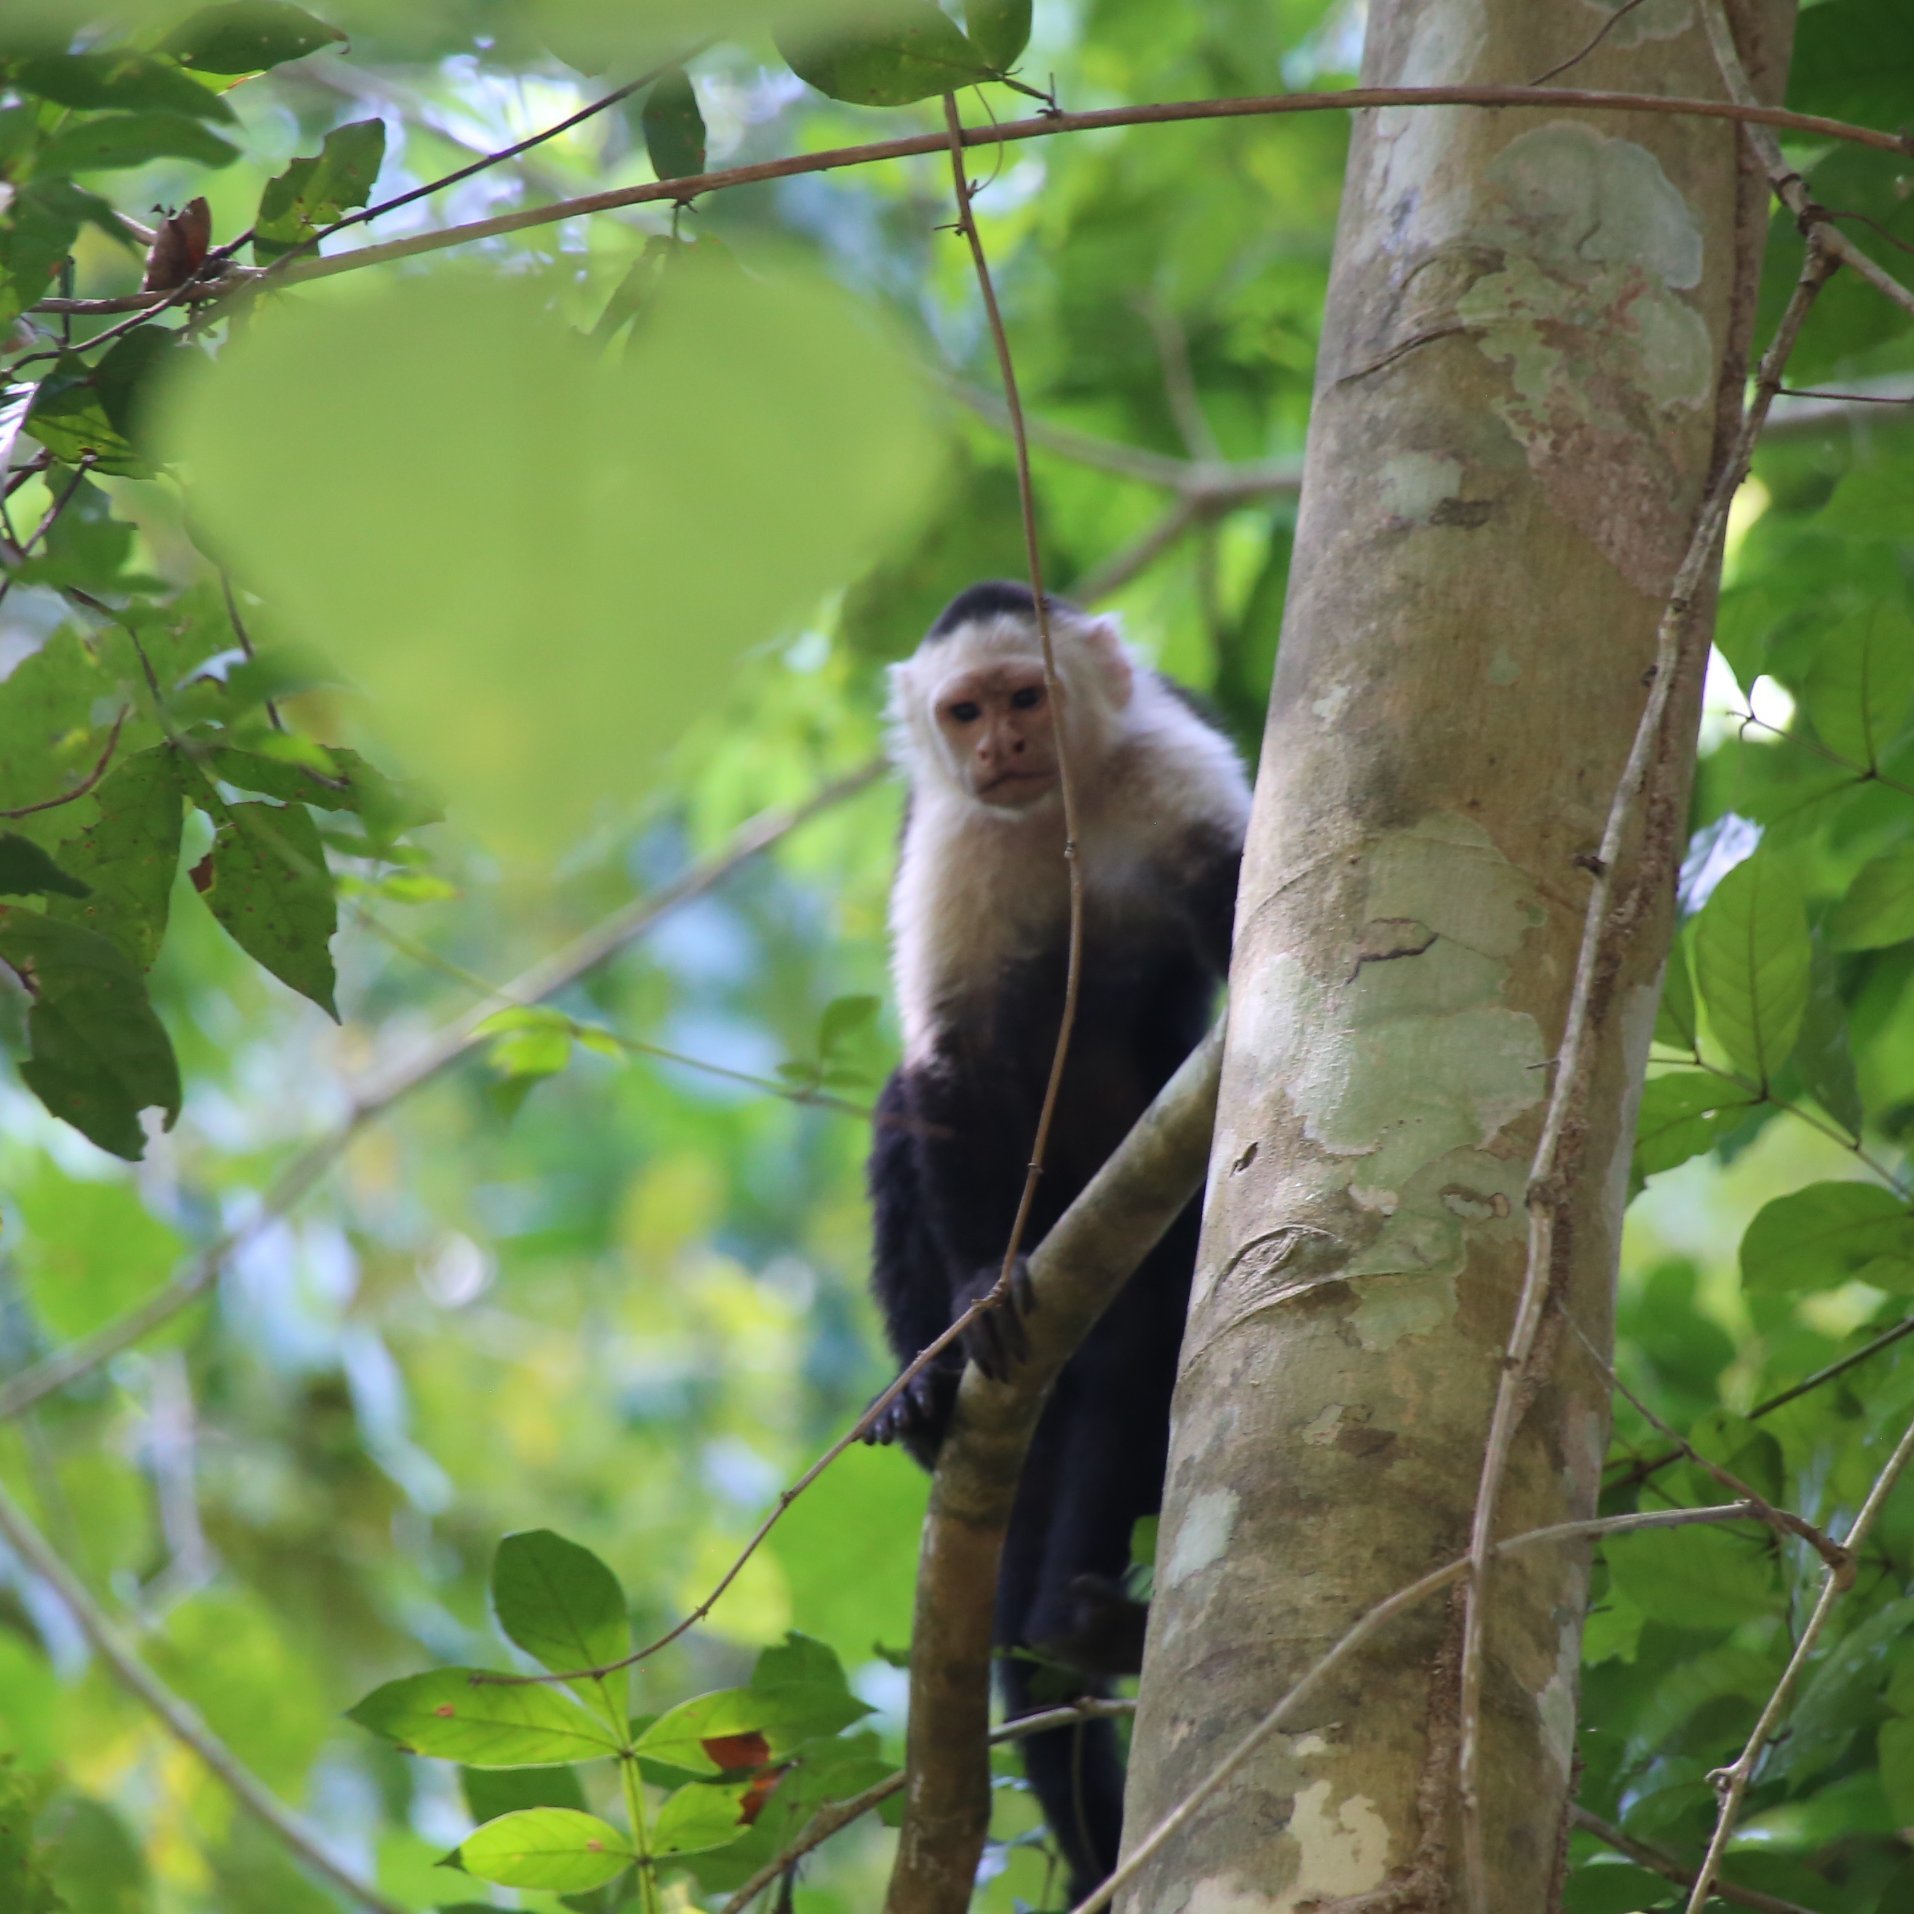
(1675, 1020)
(1753, 958)
(93, 1249)
(573, 547)
(1682, 1114)
(100, 1056)
(106, 141)
(886, 54)
(119, 77)
(1695, 1578)
(484, 1725)
(1828, 1233)
(555, 1848)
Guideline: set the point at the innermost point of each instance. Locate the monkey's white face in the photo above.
(995, 723)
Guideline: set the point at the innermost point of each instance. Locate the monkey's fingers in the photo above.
(911, 1413)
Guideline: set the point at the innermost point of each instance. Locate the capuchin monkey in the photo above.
(980, 916)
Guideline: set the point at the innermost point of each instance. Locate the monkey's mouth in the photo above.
(1004, 778)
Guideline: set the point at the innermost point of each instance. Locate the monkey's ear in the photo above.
(1103, 640)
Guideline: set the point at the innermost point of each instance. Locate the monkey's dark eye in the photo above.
(1027, 699)
(966, 713)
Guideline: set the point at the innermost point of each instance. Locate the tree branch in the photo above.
(1044, 126)
(381, 1092)
(179, 1720)
(1606, 926)
(1660, 1861)
(1078, 1268)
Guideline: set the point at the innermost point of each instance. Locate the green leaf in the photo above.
(266, 881)
(700, 1817)
(998, 29)
(108, 141)
(784, 1716)
(129, 854)
(100, 1055)
(119, 77)
(1822, 1053)
(1676, 1023)
(27, 871)
(673, 126)
(1753, 958)
(1696, 1578)
(1879, 907)
(334, 780)
(902, 50)
(86, 410)
(247, 36)
(1682, 1114)
(41, 223)
(799, 1661)
(490, 1792)
(556, 1848)
(845, 1018)
(318, 189)
(93, 1249)
(562, 1605)
(1897, 1767)
(1828, 1234)
(487, 1725)
(1860, 684)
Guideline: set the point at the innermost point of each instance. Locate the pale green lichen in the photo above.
(1202, 1536)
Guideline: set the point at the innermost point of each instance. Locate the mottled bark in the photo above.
(1536, 334)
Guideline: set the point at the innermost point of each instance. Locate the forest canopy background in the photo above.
(592, 537)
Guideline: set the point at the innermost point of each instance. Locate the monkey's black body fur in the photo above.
(945, 1179)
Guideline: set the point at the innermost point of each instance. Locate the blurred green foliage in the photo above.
(604, 533)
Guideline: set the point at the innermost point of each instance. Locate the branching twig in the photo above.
(1731, 1782)
(1605, 928)
(174, 1714)
(835, 1816)
(85, 784)
(1789, 187)
(1367, 1625)
(1601, 33)
(1660, 1861)
(380, 1093)
(1044, 126)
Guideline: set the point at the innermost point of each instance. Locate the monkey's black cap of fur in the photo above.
(994, 598)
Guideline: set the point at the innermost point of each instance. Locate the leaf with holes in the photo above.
(1861, 682)
(904, 50)
(1879, 907)
(1753, 960)
(247, 36)
(555, 1848)
(1827, 1234)
(266, 881)
(99, 1054)
(484, 1725)
(129, 855)
(563, 1606)
(673, 126)
(318, 188)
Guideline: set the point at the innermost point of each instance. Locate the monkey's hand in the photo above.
(996, 1341)
(914, 1415)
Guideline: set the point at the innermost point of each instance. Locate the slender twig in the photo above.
(1846, 398)
(1731, 1782)
(1601, 33)
(180, 1720)
(1820, 1125)
(1053, 690)
(1605, 927)
(1789, 187)
(1660, 1861)
(245, 639)
(835, 1816)
(381, 1091)
(85, 784)
(48, 519)
(1782, 1521)
(1369, 1624)
(1863, 773)
(1045, 126)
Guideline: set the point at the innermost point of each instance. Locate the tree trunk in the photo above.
(1534, 348)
